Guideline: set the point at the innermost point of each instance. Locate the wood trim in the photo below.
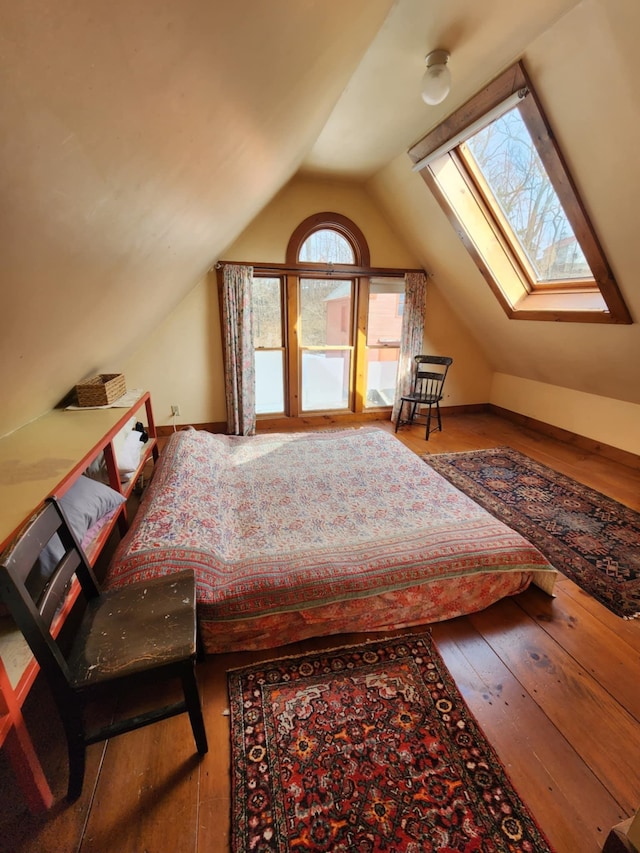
(476, 107)
(335, 222)
(558, 172)
(292, 346)
(312, 269)
(333, 419)
(590, 445)
(362, 290)
(282, 424)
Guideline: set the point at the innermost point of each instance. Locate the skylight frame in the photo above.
(513, 242)
(522, 297)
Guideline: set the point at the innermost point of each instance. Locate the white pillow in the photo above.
(128, 455)
(127, 446)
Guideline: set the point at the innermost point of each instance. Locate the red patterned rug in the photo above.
(587, 536)
(365, 749)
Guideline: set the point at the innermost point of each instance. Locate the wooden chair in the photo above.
(428, 389)
(143, 630)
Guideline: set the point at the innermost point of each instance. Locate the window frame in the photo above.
(290, 273)
(325, 220)
(283, 348)
(449, 178)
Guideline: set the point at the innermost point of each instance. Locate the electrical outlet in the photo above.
(175, 411)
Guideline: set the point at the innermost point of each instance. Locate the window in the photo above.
(498, 174)
(325, 332)
(326, 246)
(384, 328)
(505, 166)
(268, 337)
(327, 327)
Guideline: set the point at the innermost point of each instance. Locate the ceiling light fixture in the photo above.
(436, 83)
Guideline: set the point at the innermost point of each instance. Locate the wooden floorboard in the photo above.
(553, 683)
(591, 643)
(564, 794)
(583, 711)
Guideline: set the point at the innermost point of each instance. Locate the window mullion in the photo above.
(360, 344)
(292, 343)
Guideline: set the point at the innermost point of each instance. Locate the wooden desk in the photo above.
(45, 458)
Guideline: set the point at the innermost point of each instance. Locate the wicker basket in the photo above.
(101, 390)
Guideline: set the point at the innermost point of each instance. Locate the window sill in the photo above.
(563, 307)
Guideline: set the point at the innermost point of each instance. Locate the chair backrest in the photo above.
(430, 374)
(32, 600)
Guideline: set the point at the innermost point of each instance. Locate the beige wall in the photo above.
(267, 237)
(117, 207)
(612, 422)
(181, 361)
(580, 377)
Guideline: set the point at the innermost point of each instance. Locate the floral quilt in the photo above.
(275, 523)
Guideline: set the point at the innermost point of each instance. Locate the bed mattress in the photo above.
(296, 534)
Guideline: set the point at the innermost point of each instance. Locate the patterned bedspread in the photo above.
(276, 523)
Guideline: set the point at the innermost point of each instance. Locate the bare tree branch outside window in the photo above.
(507, 158)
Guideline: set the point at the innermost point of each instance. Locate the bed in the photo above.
(294, 535)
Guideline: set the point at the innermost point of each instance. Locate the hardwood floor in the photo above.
(554, 683)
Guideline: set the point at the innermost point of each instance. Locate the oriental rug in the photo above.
(589, 537)
(364, 749)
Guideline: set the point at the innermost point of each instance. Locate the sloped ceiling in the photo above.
(381, 112)
(138, 140)
(584, 62)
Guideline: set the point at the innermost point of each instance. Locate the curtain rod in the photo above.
(480, 123)
(330, 269)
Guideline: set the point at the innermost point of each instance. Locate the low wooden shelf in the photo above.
(45, 458)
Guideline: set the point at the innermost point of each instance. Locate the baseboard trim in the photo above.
(328, 420)
(167, 429)
(590, 445)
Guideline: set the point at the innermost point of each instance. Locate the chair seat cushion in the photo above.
(132, 629)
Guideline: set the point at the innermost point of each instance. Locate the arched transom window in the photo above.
(326, 331)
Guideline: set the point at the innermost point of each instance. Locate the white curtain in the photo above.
(412, 339)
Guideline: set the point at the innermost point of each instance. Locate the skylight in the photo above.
(504, 160)
(505, 187)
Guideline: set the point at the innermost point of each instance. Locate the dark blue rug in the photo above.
(586, 535)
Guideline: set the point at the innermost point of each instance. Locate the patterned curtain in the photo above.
(412, 340)
(239, 365)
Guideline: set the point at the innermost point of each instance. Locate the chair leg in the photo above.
(438, 413)
(77, 752)
(428, 423)
(399, 420)
(192, 699)
(199, 642)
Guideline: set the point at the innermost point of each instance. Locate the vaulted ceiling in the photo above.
(139, 140)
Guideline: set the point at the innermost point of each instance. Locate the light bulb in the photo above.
(436, 83)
